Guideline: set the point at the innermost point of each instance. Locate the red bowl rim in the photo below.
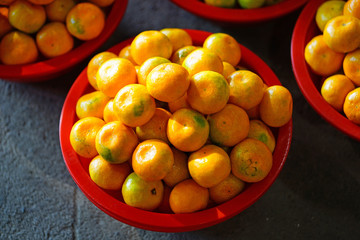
(303, 77)
(239, 15)
(43, 70)
(161, 221)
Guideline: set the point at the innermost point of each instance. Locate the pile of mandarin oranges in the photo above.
(245, 4)
(335, 55)
(175, 127)
(35, 29)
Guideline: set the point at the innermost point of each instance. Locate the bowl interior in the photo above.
(45, 69)
(111, 201)
(310, 83)
(238, 15)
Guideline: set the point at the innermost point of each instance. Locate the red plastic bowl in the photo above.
(110, 202)
(46, 69)
(309, 83)
(238, 15)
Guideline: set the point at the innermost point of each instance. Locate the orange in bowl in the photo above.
(207, 215)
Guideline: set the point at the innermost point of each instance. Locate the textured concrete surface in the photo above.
(315, 197)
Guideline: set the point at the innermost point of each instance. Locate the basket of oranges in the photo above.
(169, 132)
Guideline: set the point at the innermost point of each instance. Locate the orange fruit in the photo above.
(246, 89)
(5, 26)
(202, 59)
(85, 21)
(146, 195)
(179, 170)
(228, 126)
(116, 142)
(334, 90)
(149, 44)
(156, 127)
(227, 189)
(352, 8)
(18, 48)
(53, 40)
(133, 105)
(251, 160)
(83, 134)
(102, 3)
(109, 115)
(106, 175)
(178, 37)
(179, 103)
(167, 82)
(253, 113)
(328, 10)
(40, 2)
(342, 33)
(26, 17)
(94, 65)
(250, 4)
(225, 46)
(208, 92)
(351, 106)
(228, 69)
(351, 66)
(114, 74)
(58, 9)
(148, 66)
(180, 54)
(209, 165)
(91, 105)
(187, 130)
(321, 58)
(188, 196)
(260, 131)
(152, 160)
(276, 106)
(125, 52)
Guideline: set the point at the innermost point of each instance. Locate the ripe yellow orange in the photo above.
(109, 115)
(83, 134)
(187, 130)
(179, 55)
(167, 82)
(225, 46)
(188, 196)
(208, 92)
(179, 103)
(114, 74)
(152, 160)
(178, 37)
(334, 90)
(149, 44)
(260, 131)
(106, 175)
(85, 21)
(91, 105)
(58, 9)
(226, 189)
(246, 89)
(328, 10)
(53, 40)
(202, 59)
(228, 126)
(125, 52)
(179, 170)
(94, 65)
(352, 8)
(18, 48)
(351, 66)
(116, 142)
(148, 66)
(351, 106)
(251, 160)
(133, 105)
(209, 165)
(321, 58)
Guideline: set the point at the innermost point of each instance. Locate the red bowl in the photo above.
(309, 83)
(110, 202)
(238, 15)
(49, 68)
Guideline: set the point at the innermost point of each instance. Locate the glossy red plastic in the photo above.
(49, 68)
(111, 202)
(238, 15)
(309, 83)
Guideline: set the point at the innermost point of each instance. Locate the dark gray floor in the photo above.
(315, 197)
